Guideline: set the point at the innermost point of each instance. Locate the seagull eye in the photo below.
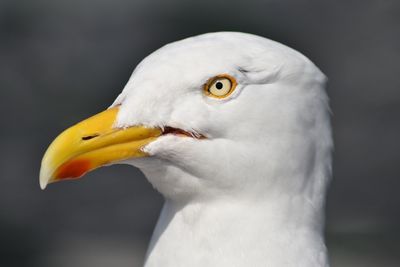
(220, 86)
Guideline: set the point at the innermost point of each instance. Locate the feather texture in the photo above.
(252, 193)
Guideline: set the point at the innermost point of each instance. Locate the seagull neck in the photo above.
(271, 233)
(277, 211)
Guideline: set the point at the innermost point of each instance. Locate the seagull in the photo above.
(233, 129)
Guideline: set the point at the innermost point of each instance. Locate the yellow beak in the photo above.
(91, 144)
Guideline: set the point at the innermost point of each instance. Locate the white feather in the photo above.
(252, 193)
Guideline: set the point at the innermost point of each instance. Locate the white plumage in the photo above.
(249, 188)
(252, 193)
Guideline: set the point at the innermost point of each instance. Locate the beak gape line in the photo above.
(180, 132)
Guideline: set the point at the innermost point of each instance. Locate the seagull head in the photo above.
(215, 115)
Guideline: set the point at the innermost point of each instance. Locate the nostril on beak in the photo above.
(88, 137)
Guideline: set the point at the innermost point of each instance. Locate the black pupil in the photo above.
(219, 85)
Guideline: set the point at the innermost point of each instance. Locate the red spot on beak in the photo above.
(73, 169)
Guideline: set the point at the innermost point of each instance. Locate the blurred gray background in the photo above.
(63, 60)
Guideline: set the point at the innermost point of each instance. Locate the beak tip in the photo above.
(43, 183)
(43, 186)
(44, 178)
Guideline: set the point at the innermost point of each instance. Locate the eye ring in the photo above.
(220, 86)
